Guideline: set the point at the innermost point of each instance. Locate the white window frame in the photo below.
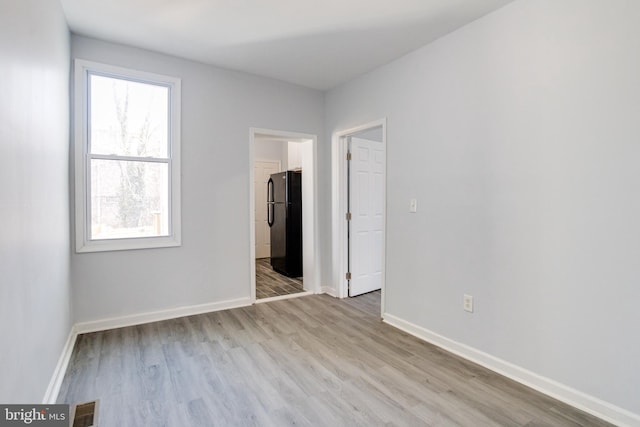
(82, 159)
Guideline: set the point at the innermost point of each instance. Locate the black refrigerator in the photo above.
(284, 216)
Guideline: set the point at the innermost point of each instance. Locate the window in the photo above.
(127, 159)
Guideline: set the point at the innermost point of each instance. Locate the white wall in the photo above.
(218, 108)
(268, 149)
(294, 155)
(518, 135)
(34, 196)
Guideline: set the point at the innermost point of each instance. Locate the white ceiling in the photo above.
(314, 43)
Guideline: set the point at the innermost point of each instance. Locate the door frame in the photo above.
(340, 243)
(310, 243)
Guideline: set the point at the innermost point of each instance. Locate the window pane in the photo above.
(128, 118)
(129, 199)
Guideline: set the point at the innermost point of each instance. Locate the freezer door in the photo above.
(279, 188)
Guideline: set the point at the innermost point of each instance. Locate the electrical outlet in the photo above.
(467, 303)
(413, 205)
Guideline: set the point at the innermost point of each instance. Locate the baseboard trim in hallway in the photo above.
(561, 392)
(51, 395)
(281, 297)
(155, 316)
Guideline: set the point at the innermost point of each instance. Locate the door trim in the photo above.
(311, 248)
(339, 202)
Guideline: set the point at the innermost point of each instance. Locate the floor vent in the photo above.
(85, 414)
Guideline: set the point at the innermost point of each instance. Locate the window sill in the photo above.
(127, 244)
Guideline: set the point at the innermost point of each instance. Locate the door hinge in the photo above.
(348, 216)
(348, 155)
(348, 275)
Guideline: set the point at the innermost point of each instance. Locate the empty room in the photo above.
(337, 213)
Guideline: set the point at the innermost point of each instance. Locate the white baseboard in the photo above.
(154, 316)
(566, 394)
(329, 291)
(281, 297)
(53, 389)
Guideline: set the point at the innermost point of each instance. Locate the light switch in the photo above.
(413, 205)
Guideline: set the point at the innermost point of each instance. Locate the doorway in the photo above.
(359, 209)
(293, 155)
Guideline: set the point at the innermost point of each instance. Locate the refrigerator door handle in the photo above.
(270, 210)
(270, 214)
(270, 191)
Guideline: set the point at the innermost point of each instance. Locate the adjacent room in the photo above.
(324, 213)
(280, 195)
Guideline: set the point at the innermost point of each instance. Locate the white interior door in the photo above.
(366, 204)
(262, 172)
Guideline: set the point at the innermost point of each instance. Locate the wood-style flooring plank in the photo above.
(309, 361)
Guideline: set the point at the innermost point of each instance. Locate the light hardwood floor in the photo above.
(311, 361)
